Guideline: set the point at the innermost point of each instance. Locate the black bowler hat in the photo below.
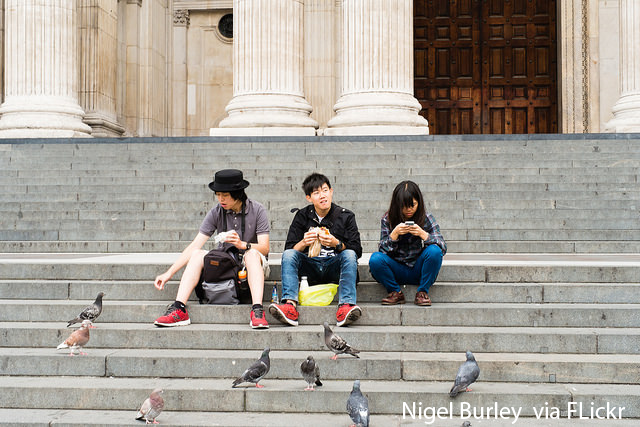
(228, 180)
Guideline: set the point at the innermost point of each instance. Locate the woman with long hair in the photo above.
(411, 247)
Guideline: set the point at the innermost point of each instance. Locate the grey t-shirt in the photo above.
(256, 222)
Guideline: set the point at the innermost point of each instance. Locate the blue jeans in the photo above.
(341, 269)
(391, 273)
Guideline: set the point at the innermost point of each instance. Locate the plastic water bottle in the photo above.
(274, 294)
(303, 282)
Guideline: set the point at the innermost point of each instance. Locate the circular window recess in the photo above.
(225, 26)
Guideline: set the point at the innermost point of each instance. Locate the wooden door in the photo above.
(486, 66)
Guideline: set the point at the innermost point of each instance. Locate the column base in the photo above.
(263, 131)
(103, 127)
(42, 117)
(626, 115)
(377, 130)
(382, 113)
(269, 111)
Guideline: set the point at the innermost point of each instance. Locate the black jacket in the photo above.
(341, 223)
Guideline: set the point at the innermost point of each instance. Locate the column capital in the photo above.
(181, 18)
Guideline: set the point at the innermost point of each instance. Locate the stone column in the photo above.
(41, 71)
(98, 66)
(268, 94)
(181, 21)
(626, 111)
(377, 71)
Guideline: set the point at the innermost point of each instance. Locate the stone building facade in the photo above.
(79, 68)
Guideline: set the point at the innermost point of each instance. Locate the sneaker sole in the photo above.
(168, 325)
(279, 315)
(258, 326)
(351, 317)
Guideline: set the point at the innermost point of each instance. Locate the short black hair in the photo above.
(313, 182)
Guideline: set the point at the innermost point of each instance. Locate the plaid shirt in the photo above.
(408, 247)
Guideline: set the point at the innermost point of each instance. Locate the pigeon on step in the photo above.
(337, 344)
(358, 406)
(311, 373)
(256, 371)
(78, 338)
(90, 312)
(151, 407)
(467, 374)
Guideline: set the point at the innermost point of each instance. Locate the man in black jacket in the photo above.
(338, 258)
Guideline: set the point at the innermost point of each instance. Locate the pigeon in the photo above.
(151, 407)
(358, 406)
(467, 374)
(256, 371)
(466, 424)
(78, 338)
(337, 344)
(311, 373)
(90, 312)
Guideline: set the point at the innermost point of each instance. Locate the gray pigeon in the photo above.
(256, 371)
(337, 344)
(311, 373)
(358, 406)
(151, 407)
(466, 424)
(467, 375)
(90, 312)
(78, 338)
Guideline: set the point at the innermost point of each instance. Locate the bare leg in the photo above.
(255, 275)
(190, 276)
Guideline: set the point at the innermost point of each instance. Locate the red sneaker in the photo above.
(173, 317)
(347, 314)
(286, 313)
(258, 321)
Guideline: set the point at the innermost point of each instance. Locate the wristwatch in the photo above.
(248, 246)
(339, 246)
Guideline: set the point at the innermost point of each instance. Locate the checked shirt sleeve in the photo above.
(435, 237)
(386, 244)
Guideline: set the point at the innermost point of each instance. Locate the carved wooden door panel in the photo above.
(447, 65)
(486, 66)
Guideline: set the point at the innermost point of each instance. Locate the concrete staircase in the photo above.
(536, 194)
(540, 282)
(545, 333)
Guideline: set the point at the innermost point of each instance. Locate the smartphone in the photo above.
(409, 223)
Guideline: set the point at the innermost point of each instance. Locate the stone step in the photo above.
(68, 418)
(192, 208)
(386, 366)
(182, 218)
(385, 397)
(379, 176)
(441, 314)
(616, 245)
(441, 292)
(496, 268)
(172, 418)
(222, 336)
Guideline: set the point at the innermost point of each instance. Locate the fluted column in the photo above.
(268, 96)
(377, 71)
(626, 111)
(41, 69)
(97, 92)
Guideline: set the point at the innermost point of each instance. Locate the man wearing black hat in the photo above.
(247, 227)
